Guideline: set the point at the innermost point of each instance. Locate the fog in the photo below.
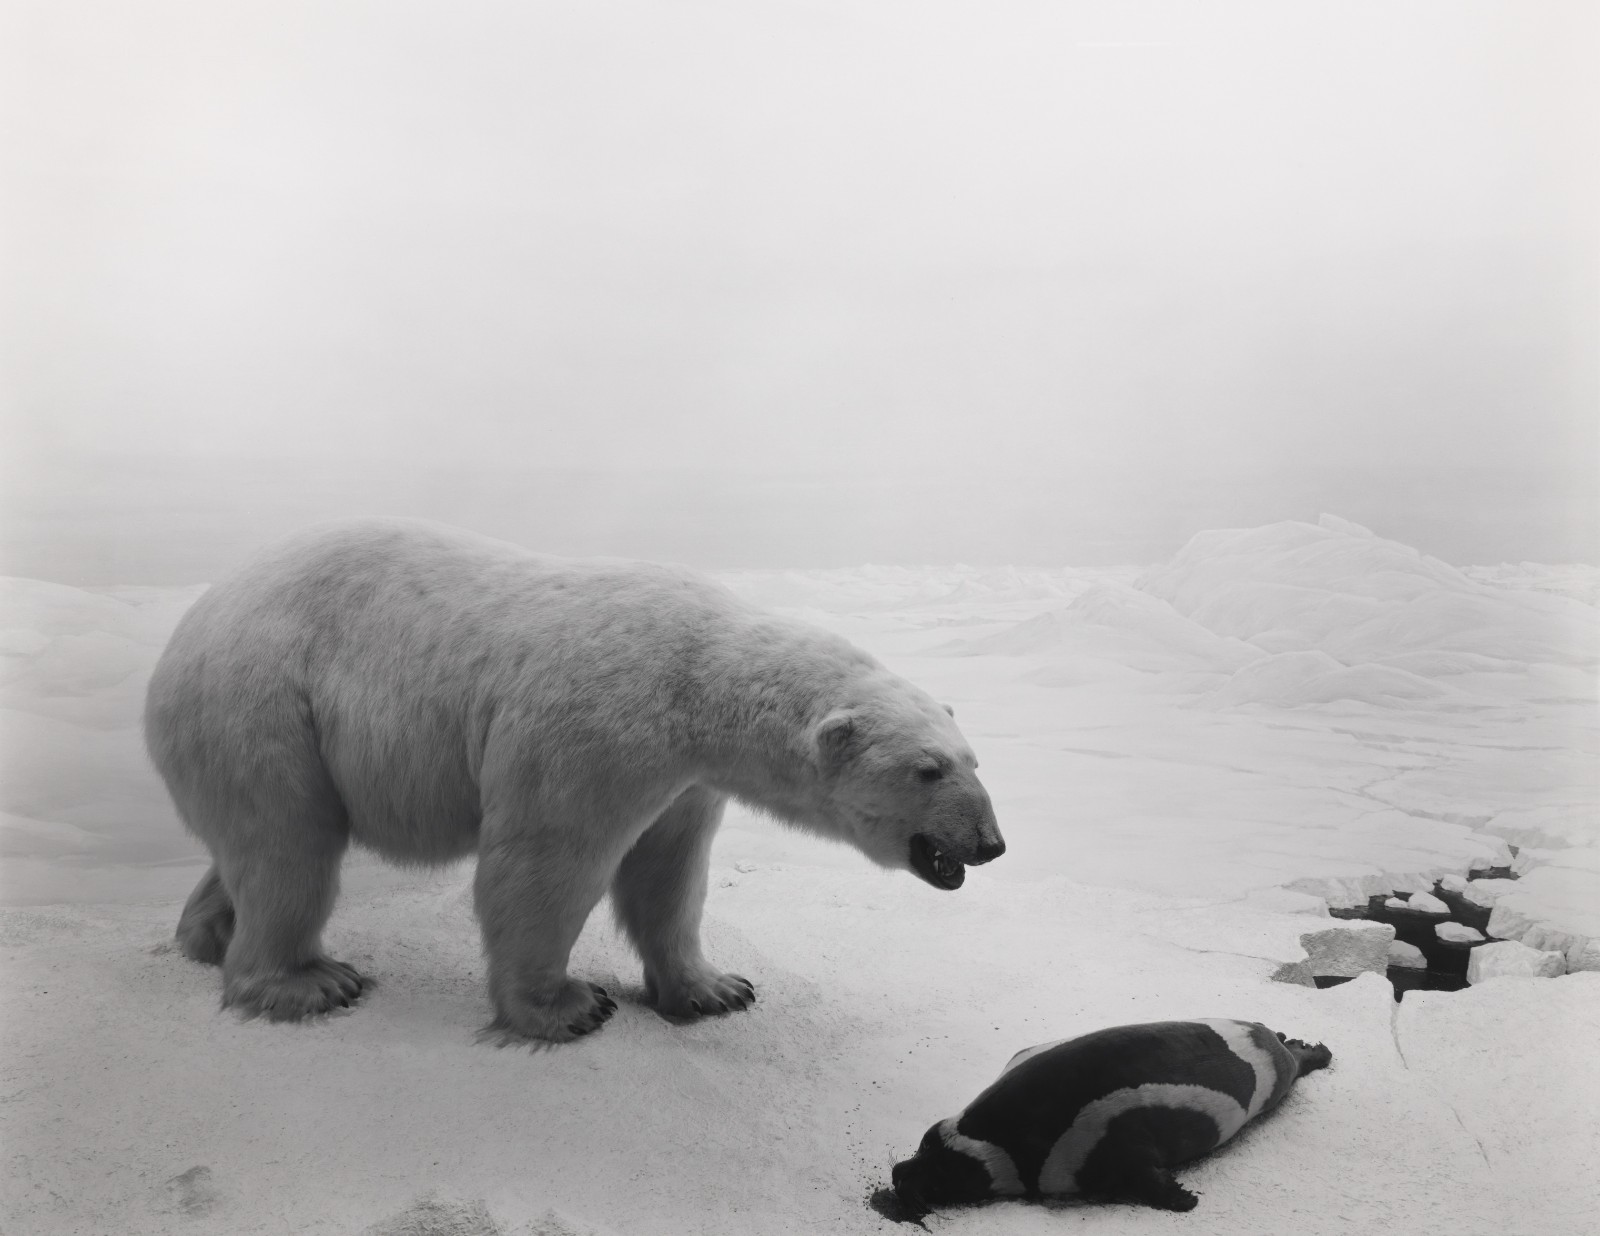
(798, 283)
(1118, 373)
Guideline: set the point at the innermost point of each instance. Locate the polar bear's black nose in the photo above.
(989, 850)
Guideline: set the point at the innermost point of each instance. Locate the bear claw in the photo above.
(707, 994)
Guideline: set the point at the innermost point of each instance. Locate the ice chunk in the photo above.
(1485, 892)
(1407, 956)
(1553, 900)
(1507, 958)
(1584, 955)
(1457, 933)
(1349, 949)
(1427, 903)
(1508, 921)
(1550, 825)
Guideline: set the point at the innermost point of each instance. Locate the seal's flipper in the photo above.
(1154, 1186)
(1131, 1177)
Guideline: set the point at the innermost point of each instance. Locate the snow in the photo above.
(1190, 763)
(1516, 1092)
(1291, 679)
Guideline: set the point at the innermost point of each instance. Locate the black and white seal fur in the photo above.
(1107, 1116)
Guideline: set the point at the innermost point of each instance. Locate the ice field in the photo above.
(1190, 763)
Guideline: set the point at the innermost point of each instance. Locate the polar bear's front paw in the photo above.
(701, 993)
(319, 986)
(579, 1008)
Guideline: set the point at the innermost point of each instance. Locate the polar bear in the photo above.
(427, 693)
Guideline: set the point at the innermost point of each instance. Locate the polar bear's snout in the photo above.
(941, 853)
(989, 850)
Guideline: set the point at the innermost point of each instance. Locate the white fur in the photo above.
(1002, 1170)
(579, 724)
(1059, 1175)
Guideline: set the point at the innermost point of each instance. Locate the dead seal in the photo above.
(1107, 1116)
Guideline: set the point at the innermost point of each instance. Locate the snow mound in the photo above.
(873, 589)
(1347, 615)
(839, 591)
(1527, 627)
(74, 780)
(1120, 623)
(1333, 556)
(1009, 584)
(1436, 663)
(1576, 580)
(1295, 679)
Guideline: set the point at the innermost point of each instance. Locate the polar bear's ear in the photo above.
(948, 709)
(834, 736)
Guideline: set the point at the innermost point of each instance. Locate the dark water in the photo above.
(1447, 961)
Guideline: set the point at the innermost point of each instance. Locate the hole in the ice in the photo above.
(1446, 960)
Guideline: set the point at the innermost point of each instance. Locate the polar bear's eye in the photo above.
(931, 773)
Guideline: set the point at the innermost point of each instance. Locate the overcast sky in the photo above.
(1128, 259)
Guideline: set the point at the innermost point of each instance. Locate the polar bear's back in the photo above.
(406, 572)
(388, 649)
(343, 591)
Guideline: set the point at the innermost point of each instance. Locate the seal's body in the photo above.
(1106, 1116)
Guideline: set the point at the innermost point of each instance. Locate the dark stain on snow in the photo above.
(888, 1204)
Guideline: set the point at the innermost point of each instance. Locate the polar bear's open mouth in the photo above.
(934, 865)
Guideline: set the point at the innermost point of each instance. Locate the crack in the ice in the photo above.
(1394, 1033)
(1417, 813)
(1195, 905)
(1482, 1153)
(1223, 952)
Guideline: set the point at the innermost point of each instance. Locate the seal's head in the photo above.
(1308, 1056)
(938, 1175)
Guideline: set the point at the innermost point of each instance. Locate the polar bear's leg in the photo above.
(658, 893)
(282, 876)
(206, 924)
(532, 900)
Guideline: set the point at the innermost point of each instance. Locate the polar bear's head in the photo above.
(899, 782)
